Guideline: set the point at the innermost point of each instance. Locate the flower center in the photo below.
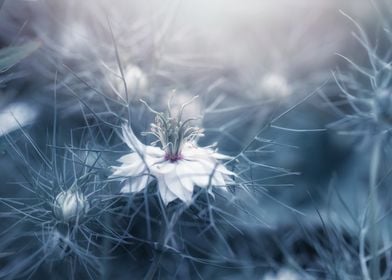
(173, 158)
(172, 133)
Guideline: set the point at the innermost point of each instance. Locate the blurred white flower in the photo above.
(15, 116)
(70, 205)
(283, 274)
(135, 79)
(275, 86)
(178, 165)
(74, 38)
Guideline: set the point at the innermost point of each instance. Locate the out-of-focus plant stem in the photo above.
(373, 208)
(105, 272)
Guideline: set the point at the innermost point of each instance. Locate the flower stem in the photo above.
(105, 269)
(373, 208)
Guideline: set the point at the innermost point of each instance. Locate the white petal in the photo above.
(200, 174)
(135, 184)
(134, 164)
(183, 172)
(144, 151)
(221, 156)
(229, 180)
(129, 158)
(125, 187)
(177, 187)
(212, 164)
(154, 152)
(218, 179)
(166, 195)
(192, 152)
(131, 140)
(207, 156)
(128, 170)
(163, 167)
(204, 175)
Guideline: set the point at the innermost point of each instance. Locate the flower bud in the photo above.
(70, 205)
(135, 80)
(275, 86)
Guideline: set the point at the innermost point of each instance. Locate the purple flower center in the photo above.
(172, 158)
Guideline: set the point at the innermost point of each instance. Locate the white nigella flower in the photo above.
(178, 164)
(70, 205)
(283, 274)
(275, 85)
(135, 79)
(75, 38)
(16, 115)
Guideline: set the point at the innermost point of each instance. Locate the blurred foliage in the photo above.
(12, 55)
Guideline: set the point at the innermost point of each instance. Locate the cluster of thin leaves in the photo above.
(137, 228)
(223, 234)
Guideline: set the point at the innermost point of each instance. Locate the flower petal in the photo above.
(131, 140)
(129, 158)
(183, 172)
(192, 152)
(134, 164)
(163, 167)
(200, 174)
(173, 184)
(218, 179)
(213, 164)
(154, 152)
(166, 195)
(135, 184)
(183, 189)
(221, 156)
(128, 170)
(207, 156)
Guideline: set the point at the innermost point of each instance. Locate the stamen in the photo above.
(172, 132)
